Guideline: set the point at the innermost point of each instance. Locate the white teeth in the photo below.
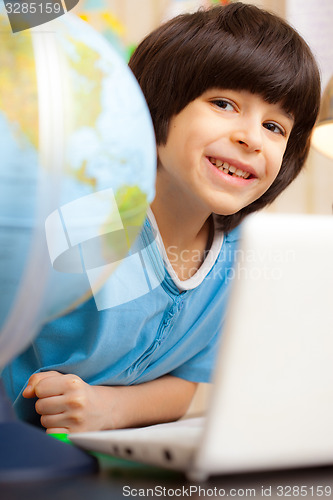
(229, 169)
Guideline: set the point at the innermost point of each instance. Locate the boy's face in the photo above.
(224, 149)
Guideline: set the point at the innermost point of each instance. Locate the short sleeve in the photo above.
(200, 367)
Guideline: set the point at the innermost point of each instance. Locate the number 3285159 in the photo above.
(33, 8)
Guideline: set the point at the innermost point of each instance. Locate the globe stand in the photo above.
(29, 454)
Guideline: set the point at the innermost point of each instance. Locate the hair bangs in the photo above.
(249, 52)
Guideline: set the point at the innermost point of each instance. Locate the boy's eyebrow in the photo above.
(287, 114)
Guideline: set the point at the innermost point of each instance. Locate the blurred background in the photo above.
(312, 192)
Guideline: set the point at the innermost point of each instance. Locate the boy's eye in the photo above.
(276, 129)
(224, 104)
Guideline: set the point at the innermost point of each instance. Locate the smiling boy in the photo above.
(223, 151)
(234, 94)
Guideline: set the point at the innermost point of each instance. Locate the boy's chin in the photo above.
(232, 208)
(227, 212)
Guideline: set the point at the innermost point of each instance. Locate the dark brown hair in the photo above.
(238, 47)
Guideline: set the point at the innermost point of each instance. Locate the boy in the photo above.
(234, 94)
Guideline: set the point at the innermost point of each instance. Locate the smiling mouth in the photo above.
(225, 167)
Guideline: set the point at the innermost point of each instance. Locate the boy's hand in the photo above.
(65, 402)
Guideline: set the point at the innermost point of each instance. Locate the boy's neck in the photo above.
(185, 232)
(178, 229)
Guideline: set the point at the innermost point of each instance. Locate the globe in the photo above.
(77, 171)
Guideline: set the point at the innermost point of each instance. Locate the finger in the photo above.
(58, 384)
(72, 423)
(54, 422)
(29, 391)
(37, 377)
(54, 385)
(57, 430)
(51, 406)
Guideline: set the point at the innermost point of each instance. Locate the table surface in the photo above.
(119, 479)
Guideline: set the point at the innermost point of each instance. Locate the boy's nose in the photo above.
(248, 137)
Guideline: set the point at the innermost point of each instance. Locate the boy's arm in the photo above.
(67, 404)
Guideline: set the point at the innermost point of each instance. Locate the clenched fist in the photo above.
(66, 403)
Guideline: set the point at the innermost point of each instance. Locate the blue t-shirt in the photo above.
(139, 327)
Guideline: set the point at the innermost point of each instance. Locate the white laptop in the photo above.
(271, 404)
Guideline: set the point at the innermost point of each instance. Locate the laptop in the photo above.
(271, 404)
